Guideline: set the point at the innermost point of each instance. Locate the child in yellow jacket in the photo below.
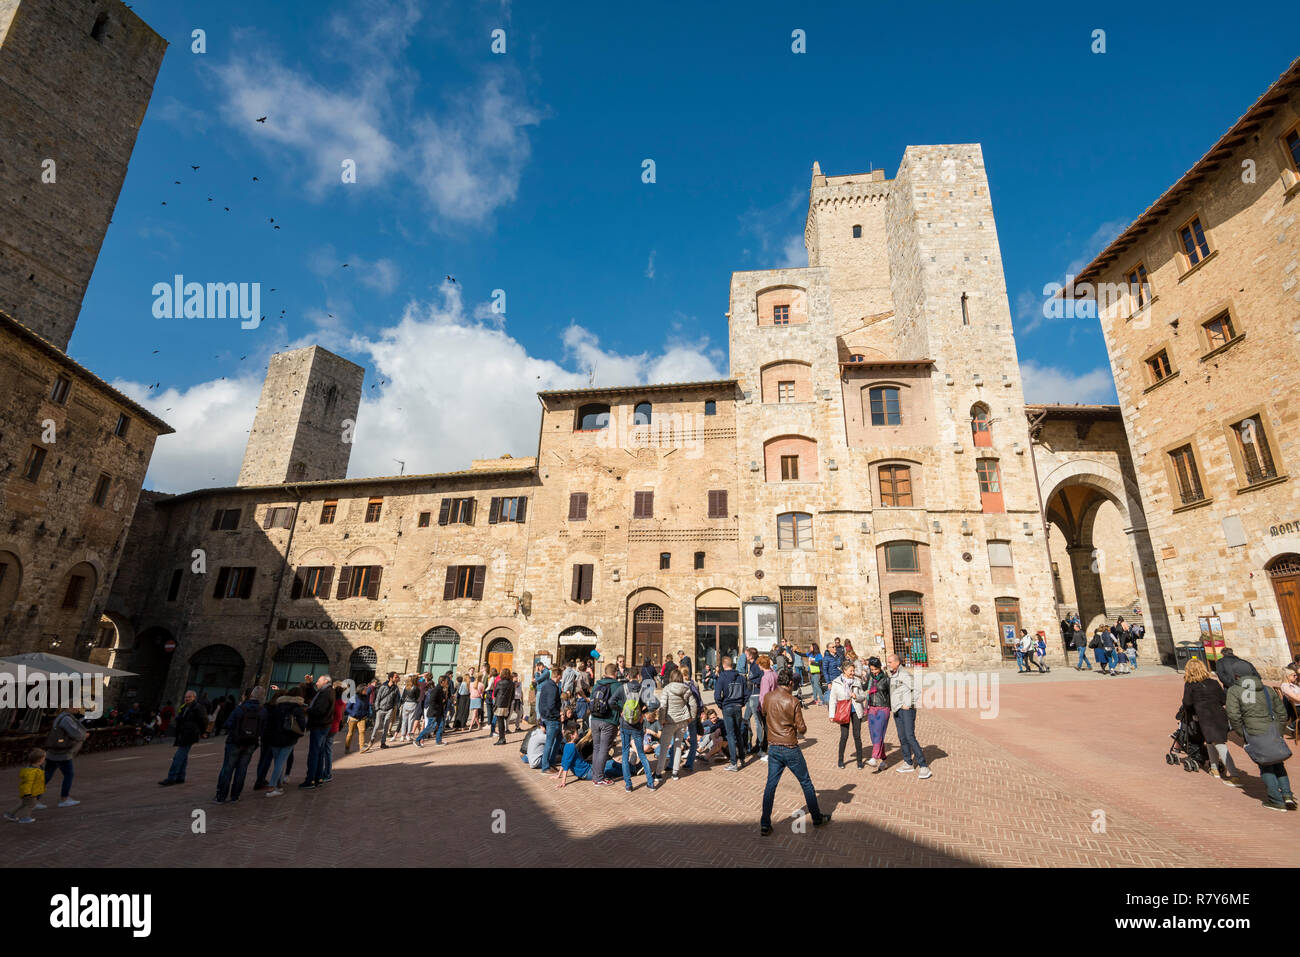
(31, 785)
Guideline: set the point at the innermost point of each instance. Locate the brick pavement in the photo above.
(1018, 790)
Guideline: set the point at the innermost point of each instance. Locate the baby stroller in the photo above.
(1188, 742)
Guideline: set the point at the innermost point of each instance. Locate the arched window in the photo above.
(500, 653)
(438, 650)
(857, 232)
(794, 530)
(790, 458)
(884, 405)
(981, 426)
(857, 357)
(297, 659)
(100, 29)
(363, 664)
(641, 414)
(216, 670)
(593, 417)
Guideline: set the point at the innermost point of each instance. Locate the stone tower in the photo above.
(303, 428)
(846, 233)
(75, 79)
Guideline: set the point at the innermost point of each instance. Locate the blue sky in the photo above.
(521, 172)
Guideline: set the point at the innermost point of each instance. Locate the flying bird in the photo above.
(164, 202)
(193, 167)
(178, 182)
(261, 119)
(242, 358)
(209, 199)
(227, 209)
(254, 179)
(450, 278)
(275, 227)
(345, 265)
(155, 352)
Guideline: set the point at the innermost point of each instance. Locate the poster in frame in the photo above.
(762, 624)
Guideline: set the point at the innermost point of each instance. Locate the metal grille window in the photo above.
(1186, 476)
(1256, 455)
(907, 629)
(885, 408)
(895, 486)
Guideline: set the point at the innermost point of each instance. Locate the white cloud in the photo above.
(1101, 237)
(650, 266)
(793, 253)
(455, 388)
(1051, 385)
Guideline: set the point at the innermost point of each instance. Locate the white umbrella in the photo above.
(41, 663)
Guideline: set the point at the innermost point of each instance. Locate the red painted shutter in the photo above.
(449, 587)
(376, 576)
(444, 511)
(494, 511)
(345, 581)
(480, 573)
(522, 510)
(223, 576)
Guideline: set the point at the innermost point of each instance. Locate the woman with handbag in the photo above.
(503, 692)
(876, 682)
(65, 739)
(846, 708)
(1255, 711)
(1206, 698)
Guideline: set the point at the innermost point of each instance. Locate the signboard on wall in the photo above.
(762, 624)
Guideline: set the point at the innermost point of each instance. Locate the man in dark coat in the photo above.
(320, 717)
(191, 724)
(1229, 668)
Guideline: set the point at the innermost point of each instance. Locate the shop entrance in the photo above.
(717, 635)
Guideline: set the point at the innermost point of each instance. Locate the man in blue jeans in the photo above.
(548, 710)
(902, 699)
(632, 733)
(832, 664)
(753, 679)
(320, 716)
(244, 729)
(729, 694)
(784, 718)
(191, 725)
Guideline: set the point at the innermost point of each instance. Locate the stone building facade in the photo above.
(1199, 302)
(866, 472)
(75, 80)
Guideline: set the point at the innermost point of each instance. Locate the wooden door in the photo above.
(799, 616)
(1286, 586)
(648, 635)
(501, 655)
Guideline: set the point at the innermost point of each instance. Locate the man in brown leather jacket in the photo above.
(784, 717)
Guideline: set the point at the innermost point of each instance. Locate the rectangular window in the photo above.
(1186, 475)
(780, 315)
(328, 511)
(789, 468)
(374, 508)
(425, 519)
(583, 575)
(990, 479)
(72, 596)
(1256, 456)
(32, 467)
(665, 561)
(174, 589)
(356, 581)
(278, 517)
(101, 490)
(1192, 237)
(643, 505)
(1292, 141)
(226, 519)
(315, 582)
(902, 557)
(699, 561)
(464, 581)
(234, 582)
(1138, 286)
(1159, 367)
(895, 486)
(785, 391)
(59, 394)
(123, 423)
(456, 511)
(1000, 554)
(885, 407)
(577, 506)
(509, 509)
(1219, 331)
(718, 503)
(793, 530)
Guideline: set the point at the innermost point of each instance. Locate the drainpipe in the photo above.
(279, 583)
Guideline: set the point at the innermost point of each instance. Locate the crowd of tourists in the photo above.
(1115, 647)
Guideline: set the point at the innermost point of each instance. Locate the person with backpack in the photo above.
(783, 716)
(631, 727)
(320, 716)
(386, 698)
(357, 711)
(729, 694)
(435, 715)
(607, 699)
(679, 711)
(286, 723)
(191, 725)
(65, 739)
(548, 711)
(1256, 712)
(695, 729)
(243, 729)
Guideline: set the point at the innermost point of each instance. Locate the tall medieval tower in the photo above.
(75, 79)
(305, 419)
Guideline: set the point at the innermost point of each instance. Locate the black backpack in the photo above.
(246, 727)
(600, 706)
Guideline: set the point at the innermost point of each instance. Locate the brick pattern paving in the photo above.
(1019, 790)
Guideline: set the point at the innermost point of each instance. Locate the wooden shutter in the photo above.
(345, 581)
(575, 590)
(480, 573)
(246, 583)
(469, 510)
(326, 578)
(376, 576)
(718, 503)
(494, 511)
(216, 519)
(223, 576)
(577, 506)
(643, 505)
(296, 591)
(449, 587)
(586, 575)
(444, 511)
(522, 510)
(269, 520)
